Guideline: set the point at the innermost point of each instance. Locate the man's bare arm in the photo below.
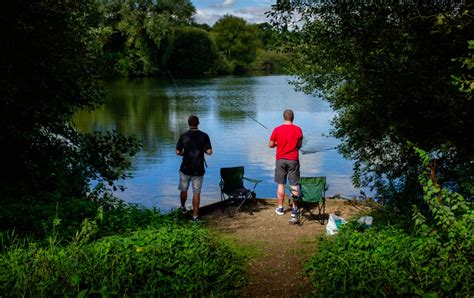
(271, 144)
(300, 143)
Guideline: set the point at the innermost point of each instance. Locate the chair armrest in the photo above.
(256, 181)
(253, 180)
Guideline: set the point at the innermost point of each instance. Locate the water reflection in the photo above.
(230, 110)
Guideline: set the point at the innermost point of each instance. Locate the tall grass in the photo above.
(434, 258)
(127, 252)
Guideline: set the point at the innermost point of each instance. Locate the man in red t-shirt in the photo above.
(287, 138)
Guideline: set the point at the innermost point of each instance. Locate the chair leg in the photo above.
(300, 213)
(231, 207)
(321, 207)
(223, 202)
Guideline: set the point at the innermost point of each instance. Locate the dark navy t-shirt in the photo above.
(194, 143)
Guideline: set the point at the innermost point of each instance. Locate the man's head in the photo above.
(193, 121)
(288, 115)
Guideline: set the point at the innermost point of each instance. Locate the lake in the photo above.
(238, 113)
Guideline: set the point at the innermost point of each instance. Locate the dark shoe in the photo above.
(280, 211)
(196, 219)
(183, 209)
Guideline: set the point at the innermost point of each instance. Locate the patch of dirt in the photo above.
(281, 249)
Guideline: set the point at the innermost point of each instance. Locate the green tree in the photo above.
(237, 40)
(137, 33)
(268, 35)
(386, 70)
(194, 52)
(49, 71)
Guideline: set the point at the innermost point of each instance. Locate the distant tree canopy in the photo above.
(237, 40)
(387, 70)
(137, 34)
(143, 38)
(194, 52)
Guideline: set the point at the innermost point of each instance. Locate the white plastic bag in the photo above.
(366, 220)
(334, 223)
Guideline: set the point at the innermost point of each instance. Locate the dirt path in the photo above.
(276, 270)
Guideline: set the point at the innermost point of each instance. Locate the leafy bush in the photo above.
(270, 61)
(172, 259)
(33, 218)
(435, 258)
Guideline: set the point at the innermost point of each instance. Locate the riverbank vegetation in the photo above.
(61, 231)
(120, 252)
(400, 77)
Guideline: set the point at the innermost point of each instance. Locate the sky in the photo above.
(253, 11)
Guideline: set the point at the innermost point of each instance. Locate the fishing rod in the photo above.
(260, 123)
(256, 121)
(316, 151)
(301, 150)
(175, 86)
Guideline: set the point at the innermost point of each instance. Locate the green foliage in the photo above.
(449, 220)
(377, 65)
(268, 35)
(137, 34)
(435, 259)
(106, 156)
(237, 40)
(52, 72)
(49, 73)
(194, 52)
(270, 61)
(171, 258)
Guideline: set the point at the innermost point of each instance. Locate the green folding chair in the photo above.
(311, 200)
(234, 195)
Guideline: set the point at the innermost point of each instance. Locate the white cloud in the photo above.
(251, 14)
(208, 16)
(224, 4)
(228, 2)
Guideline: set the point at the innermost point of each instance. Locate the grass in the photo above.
(127, 251)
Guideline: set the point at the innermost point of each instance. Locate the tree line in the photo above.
(149, 38)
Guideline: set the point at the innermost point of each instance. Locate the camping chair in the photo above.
(234, 195)
(311, 198)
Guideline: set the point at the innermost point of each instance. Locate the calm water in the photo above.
(156, 111)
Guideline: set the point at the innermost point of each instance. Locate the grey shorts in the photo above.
(287, 169)
(184, 181)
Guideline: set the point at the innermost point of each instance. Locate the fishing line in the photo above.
(301, 150)
(315, 151)
(256, 121)
(260, 123)
(175, 85)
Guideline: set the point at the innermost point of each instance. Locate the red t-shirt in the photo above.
(286, 137)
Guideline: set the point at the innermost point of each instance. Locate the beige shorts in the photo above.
(184, 181)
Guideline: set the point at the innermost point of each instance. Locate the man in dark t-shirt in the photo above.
(192, 145)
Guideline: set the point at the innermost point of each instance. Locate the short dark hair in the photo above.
(193, 121)
(288, 115)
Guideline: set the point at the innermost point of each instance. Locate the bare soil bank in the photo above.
(281, 249)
